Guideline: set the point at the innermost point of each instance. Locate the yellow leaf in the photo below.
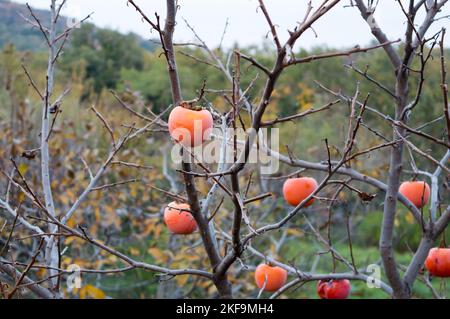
(294, 232)
(110, 210)
(71, 195)
(133, 191)
(182, 280)
(93, 229)
(65, 200)
(112, 259)
(147, 228)
(117, 222)
(41, 272)
(157, 231)
(21, 197)
(134, 251)
(23, 168)
(71, 222)
(92, 292)
(97, 214)
(153, 209)
(410, 219)
(74, 241)
(158, 255)
(66, 260)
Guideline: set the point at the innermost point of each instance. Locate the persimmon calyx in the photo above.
(191, 105)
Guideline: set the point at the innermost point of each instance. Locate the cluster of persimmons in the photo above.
(189, 126)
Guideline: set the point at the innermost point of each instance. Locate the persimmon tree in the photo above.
(231, 242)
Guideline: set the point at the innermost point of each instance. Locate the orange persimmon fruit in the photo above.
(190, 127)
(418, 193)
(438, 262)
(271, 278)
(179, 220)
(334, 289)
(296, 190)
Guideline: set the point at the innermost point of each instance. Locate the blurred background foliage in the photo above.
(129, 217)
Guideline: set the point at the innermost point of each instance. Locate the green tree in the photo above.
(104, 53)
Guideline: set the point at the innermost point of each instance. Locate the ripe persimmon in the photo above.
(334, 289)
(296, 190)
(438, 262)
(271, 278)
(418, 193)
(190, 127)
(179, 220)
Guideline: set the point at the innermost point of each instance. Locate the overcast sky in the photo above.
(343, 26)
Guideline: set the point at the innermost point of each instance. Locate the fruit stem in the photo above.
(191, 105)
